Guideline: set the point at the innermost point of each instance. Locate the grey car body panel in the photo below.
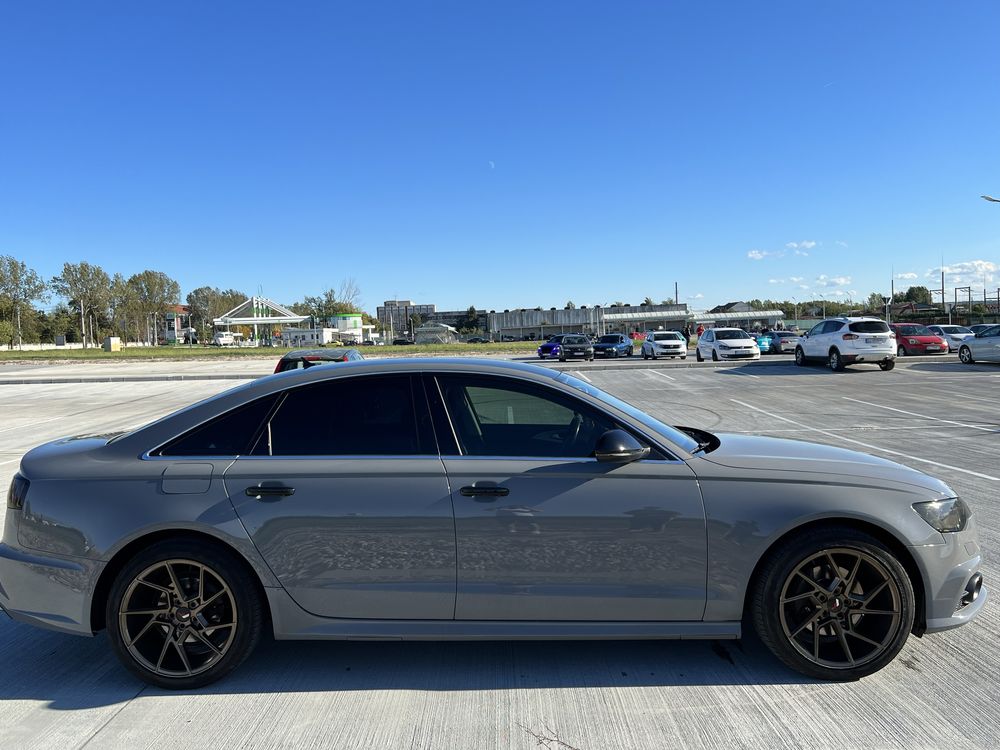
(341, 549)
(89, 498)
(577, 539)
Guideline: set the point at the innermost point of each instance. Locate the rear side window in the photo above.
(869, 326)
(359, 416)
(231, 434)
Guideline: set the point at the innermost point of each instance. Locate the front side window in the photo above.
(503, 417)
(816, 329)
(357, 416)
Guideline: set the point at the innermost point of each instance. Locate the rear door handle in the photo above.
(484, 490)
(269, 491)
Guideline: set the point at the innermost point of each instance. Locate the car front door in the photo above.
(706, 344)
(545, 531)
(346, 498)
(812, 342)
(987, 345)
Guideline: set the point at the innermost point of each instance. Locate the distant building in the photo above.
(435, 333)
(395, 316)
(538, 323)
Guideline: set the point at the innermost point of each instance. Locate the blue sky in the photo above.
(519, 154)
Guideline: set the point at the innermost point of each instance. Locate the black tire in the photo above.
(644, 355)
(715, 356)
(800, 356)
(900, 351)
(836, 361)
(237, 591)
(965, 355)
(831, 616)
(629, 352)
(697, 355)
(887, 364)
(541, 356)
(562, 359)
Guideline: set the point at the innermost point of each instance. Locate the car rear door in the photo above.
(545, 531)
(987, 345)
(346, 498)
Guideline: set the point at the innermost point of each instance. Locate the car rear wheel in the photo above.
(182, 615)
(965, 356)
(834, 604)
(800, 357)
(887, 364)
(836, 361)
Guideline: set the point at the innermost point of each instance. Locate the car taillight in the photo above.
(17, 492)
(850, 336)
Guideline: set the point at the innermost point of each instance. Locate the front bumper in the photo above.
(947, 571)
(47, 591)
(738, 355)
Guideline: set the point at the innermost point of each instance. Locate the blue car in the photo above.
(552, 347)
(613, 345)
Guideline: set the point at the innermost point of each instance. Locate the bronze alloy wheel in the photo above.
(840, 608)
(833, 603)
(177, 618)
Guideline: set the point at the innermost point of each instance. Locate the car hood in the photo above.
(780, 455)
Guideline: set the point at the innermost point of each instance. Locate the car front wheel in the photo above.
(182, 614)
(965, 356)
(900, 351)
(834, 604)
(697, 355)
(800, 357)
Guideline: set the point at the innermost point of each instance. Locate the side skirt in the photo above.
(291, 622)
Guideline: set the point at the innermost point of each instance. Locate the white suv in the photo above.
(664, 344)
(845, 341)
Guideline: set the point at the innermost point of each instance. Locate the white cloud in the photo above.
(804, 286)
(908, 275)
(775, 281)
(966, 273)
(803, 245)
(841, 243)
(827, 281)
(802, 252)
(795, 279)
(699, 295)
(761, 254)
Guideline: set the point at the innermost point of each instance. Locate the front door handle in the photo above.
(484, 489)
(268, 491)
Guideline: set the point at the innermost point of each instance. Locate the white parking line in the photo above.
(661, 374)
(584, 377)
(867, 445)
(922, 416)
(744, 374)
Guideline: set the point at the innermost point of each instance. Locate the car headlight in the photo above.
(913, 341)
(944, 515)
(724, 346)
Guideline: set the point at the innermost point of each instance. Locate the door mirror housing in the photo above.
(617, 446)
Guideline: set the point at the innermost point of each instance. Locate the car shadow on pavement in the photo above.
(69, 673)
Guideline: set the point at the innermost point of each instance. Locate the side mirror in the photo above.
(617, 446)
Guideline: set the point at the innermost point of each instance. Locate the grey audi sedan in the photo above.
(438, 499)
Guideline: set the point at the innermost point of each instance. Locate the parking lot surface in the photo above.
(941, 417)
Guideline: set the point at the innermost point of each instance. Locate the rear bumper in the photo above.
(873, 356)
(49, 592)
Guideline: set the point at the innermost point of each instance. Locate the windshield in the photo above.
(914, 331)
(610, 339)
(575, 340)
(727, 335)
(675, 436)
(669, 336)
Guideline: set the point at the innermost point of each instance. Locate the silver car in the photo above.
(983, 347)
(438, 499)
(954, 335)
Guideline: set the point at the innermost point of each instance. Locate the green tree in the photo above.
(20, 286)
(85, 287)
(154, 293)
(570, 305)
(875, 303)
(648, 302)
(470, 323)
(918, 294)
(207, 303)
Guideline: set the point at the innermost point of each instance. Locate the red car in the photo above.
(912, 338)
